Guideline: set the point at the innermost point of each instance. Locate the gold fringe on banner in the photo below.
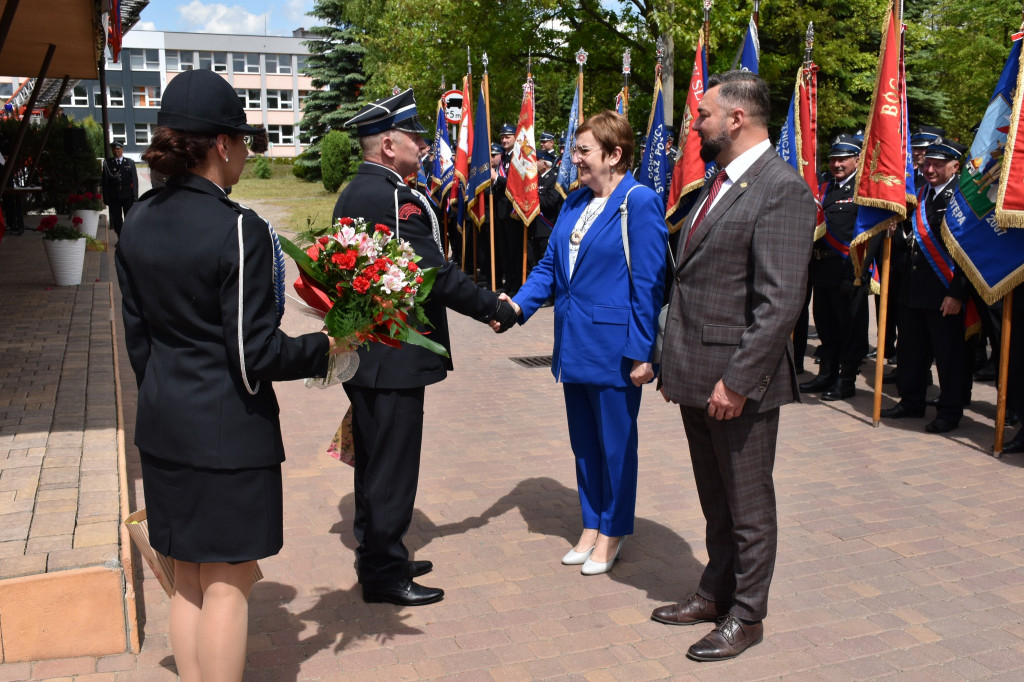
(1007, 218)
(990, 294)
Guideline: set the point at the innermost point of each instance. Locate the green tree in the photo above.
(335, 66)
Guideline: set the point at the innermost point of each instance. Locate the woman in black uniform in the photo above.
(202, 285)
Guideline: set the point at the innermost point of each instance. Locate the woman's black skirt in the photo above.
(206, 515)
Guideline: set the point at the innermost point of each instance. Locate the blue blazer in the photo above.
(604, 320)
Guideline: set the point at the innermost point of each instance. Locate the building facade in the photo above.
(264, 70)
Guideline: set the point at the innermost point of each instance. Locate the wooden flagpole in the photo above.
(465, 236)
(757, 14)
(490, 193)
(625, 82)
(1004, 366)
(707, 25)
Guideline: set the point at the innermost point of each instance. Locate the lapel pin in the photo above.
(743, 185)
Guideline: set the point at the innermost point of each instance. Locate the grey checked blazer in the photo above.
(738, 289)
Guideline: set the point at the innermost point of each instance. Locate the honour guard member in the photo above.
(120, 185)
(840, 298)
(387, 392)
(547, 143)
(933, 291)
(920, 140)
(508, 232)
(550, 202)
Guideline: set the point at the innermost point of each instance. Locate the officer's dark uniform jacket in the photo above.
(828, 266)
(550, 203)
(120, 181)
(375, 194)
(921, 287)
(200, 402)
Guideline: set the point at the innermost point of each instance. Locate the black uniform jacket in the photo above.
(840, 216)
(120, 182)
(179, 269)
(923, 288)
(550, 203)
(372, 195)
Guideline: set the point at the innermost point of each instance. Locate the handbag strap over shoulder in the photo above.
(624, 219)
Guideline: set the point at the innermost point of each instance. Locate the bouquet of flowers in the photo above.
(86, 202)
(366, 285)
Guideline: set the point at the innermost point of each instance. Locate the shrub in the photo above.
(261, 169)
(335, 159)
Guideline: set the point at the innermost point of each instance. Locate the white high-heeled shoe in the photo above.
(574, 558)
(597, 568)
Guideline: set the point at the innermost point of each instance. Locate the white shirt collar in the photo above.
(744, 161)
(847, 179)
(390, 170)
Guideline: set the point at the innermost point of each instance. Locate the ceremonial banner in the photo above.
(620, 102)
(881, 183)
(690, 170)
(480, 163)
(568, 174)
(1010, 205)
(751, 49)
(521, 188)
(992, 257)
(114, 34)
(465, 147)
(443, 171)
(653, 166)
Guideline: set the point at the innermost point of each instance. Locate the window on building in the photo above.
(245, 62)
(214, 61)
(6, 90)
(144, 60)
(279, 99)
(300, 63)
(143, 133)
(146, 96)
(250, 99)
(115, 96)
(78, 97)
(281, 134)
(302, 98)
(180, 60)
(118, 133)
(279, 63)
(111, 64)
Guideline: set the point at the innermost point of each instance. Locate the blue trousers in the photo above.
(603, 435)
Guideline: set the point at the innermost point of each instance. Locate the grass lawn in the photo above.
(299, 202)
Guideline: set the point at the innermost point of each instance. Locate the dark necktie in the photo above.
(716, 185)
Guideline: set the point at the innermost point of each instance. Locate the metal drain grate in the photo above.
(533, 361)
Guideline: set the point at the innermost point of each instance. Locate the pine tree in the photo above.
(335, 65)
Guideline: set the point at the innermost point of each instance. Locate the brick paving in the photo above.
(900, 552)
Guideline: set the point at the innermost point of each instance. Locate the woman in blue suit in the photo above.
(606, 322)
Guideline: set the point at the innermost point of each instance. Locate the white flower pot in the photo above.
(90, 221)
(66, 256)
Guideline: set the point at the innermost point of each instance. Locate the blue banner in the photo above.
(568, 174)
(654, 165)
(751, 49)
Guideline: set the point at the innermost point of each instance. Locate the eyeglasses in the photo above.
(581, 152)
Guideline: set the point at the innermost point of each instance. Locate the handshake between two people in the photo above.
(506, 315)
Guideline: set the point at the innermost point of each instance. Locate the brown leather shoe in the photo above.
(694, 609)
(728, 640)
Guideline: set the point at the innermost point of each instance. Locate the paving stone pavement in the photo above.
(900, 552)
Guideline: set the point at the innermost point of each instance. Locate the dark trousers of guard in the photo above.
(387, 432)
(925, 334)
(842, 325)
(510, 234)
(118, 210)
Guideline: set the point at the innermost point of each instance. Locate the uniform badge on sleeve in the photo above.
(409, 209)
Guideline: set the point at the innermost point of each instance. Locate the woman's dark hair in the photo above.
(176, 152)
(611, 130)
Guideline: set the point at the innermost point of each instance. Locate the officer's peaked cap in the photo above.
(508, 129)
(200, 101)
(926, 135)
(945, 149)
(395, 112)
(547, 137)
(846, 145)
(496, 149)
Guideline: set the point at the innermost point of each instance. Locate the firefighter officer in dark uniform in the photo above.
(120, 185)
(931, 309)
(387, 392)
(550, 202)
(508, 231)
(840, 298)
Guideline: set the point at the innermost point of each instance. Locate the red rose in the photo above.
(340, 288)
(361, 284)
(413, 267)
(383, 229)
(419, 280)
(345, 221)
(76, 221)
(337, 258)
(323, 240)
(88, 196)
(407, 290)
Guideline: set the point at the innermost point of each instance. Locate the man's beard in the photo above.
(711, 147)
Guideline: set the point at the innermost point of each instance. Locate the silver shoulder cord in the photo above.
(241, 340)
(398, 234)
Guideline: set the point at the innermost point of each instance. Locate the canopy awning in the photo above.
(72, 25)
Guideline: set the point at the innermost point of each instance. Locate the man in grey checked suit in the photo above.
(739, 285)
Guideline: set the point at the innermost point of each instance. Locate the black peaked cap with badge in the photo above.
(945, 149)
(924, 136)
(846, 145)
(396, 112)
